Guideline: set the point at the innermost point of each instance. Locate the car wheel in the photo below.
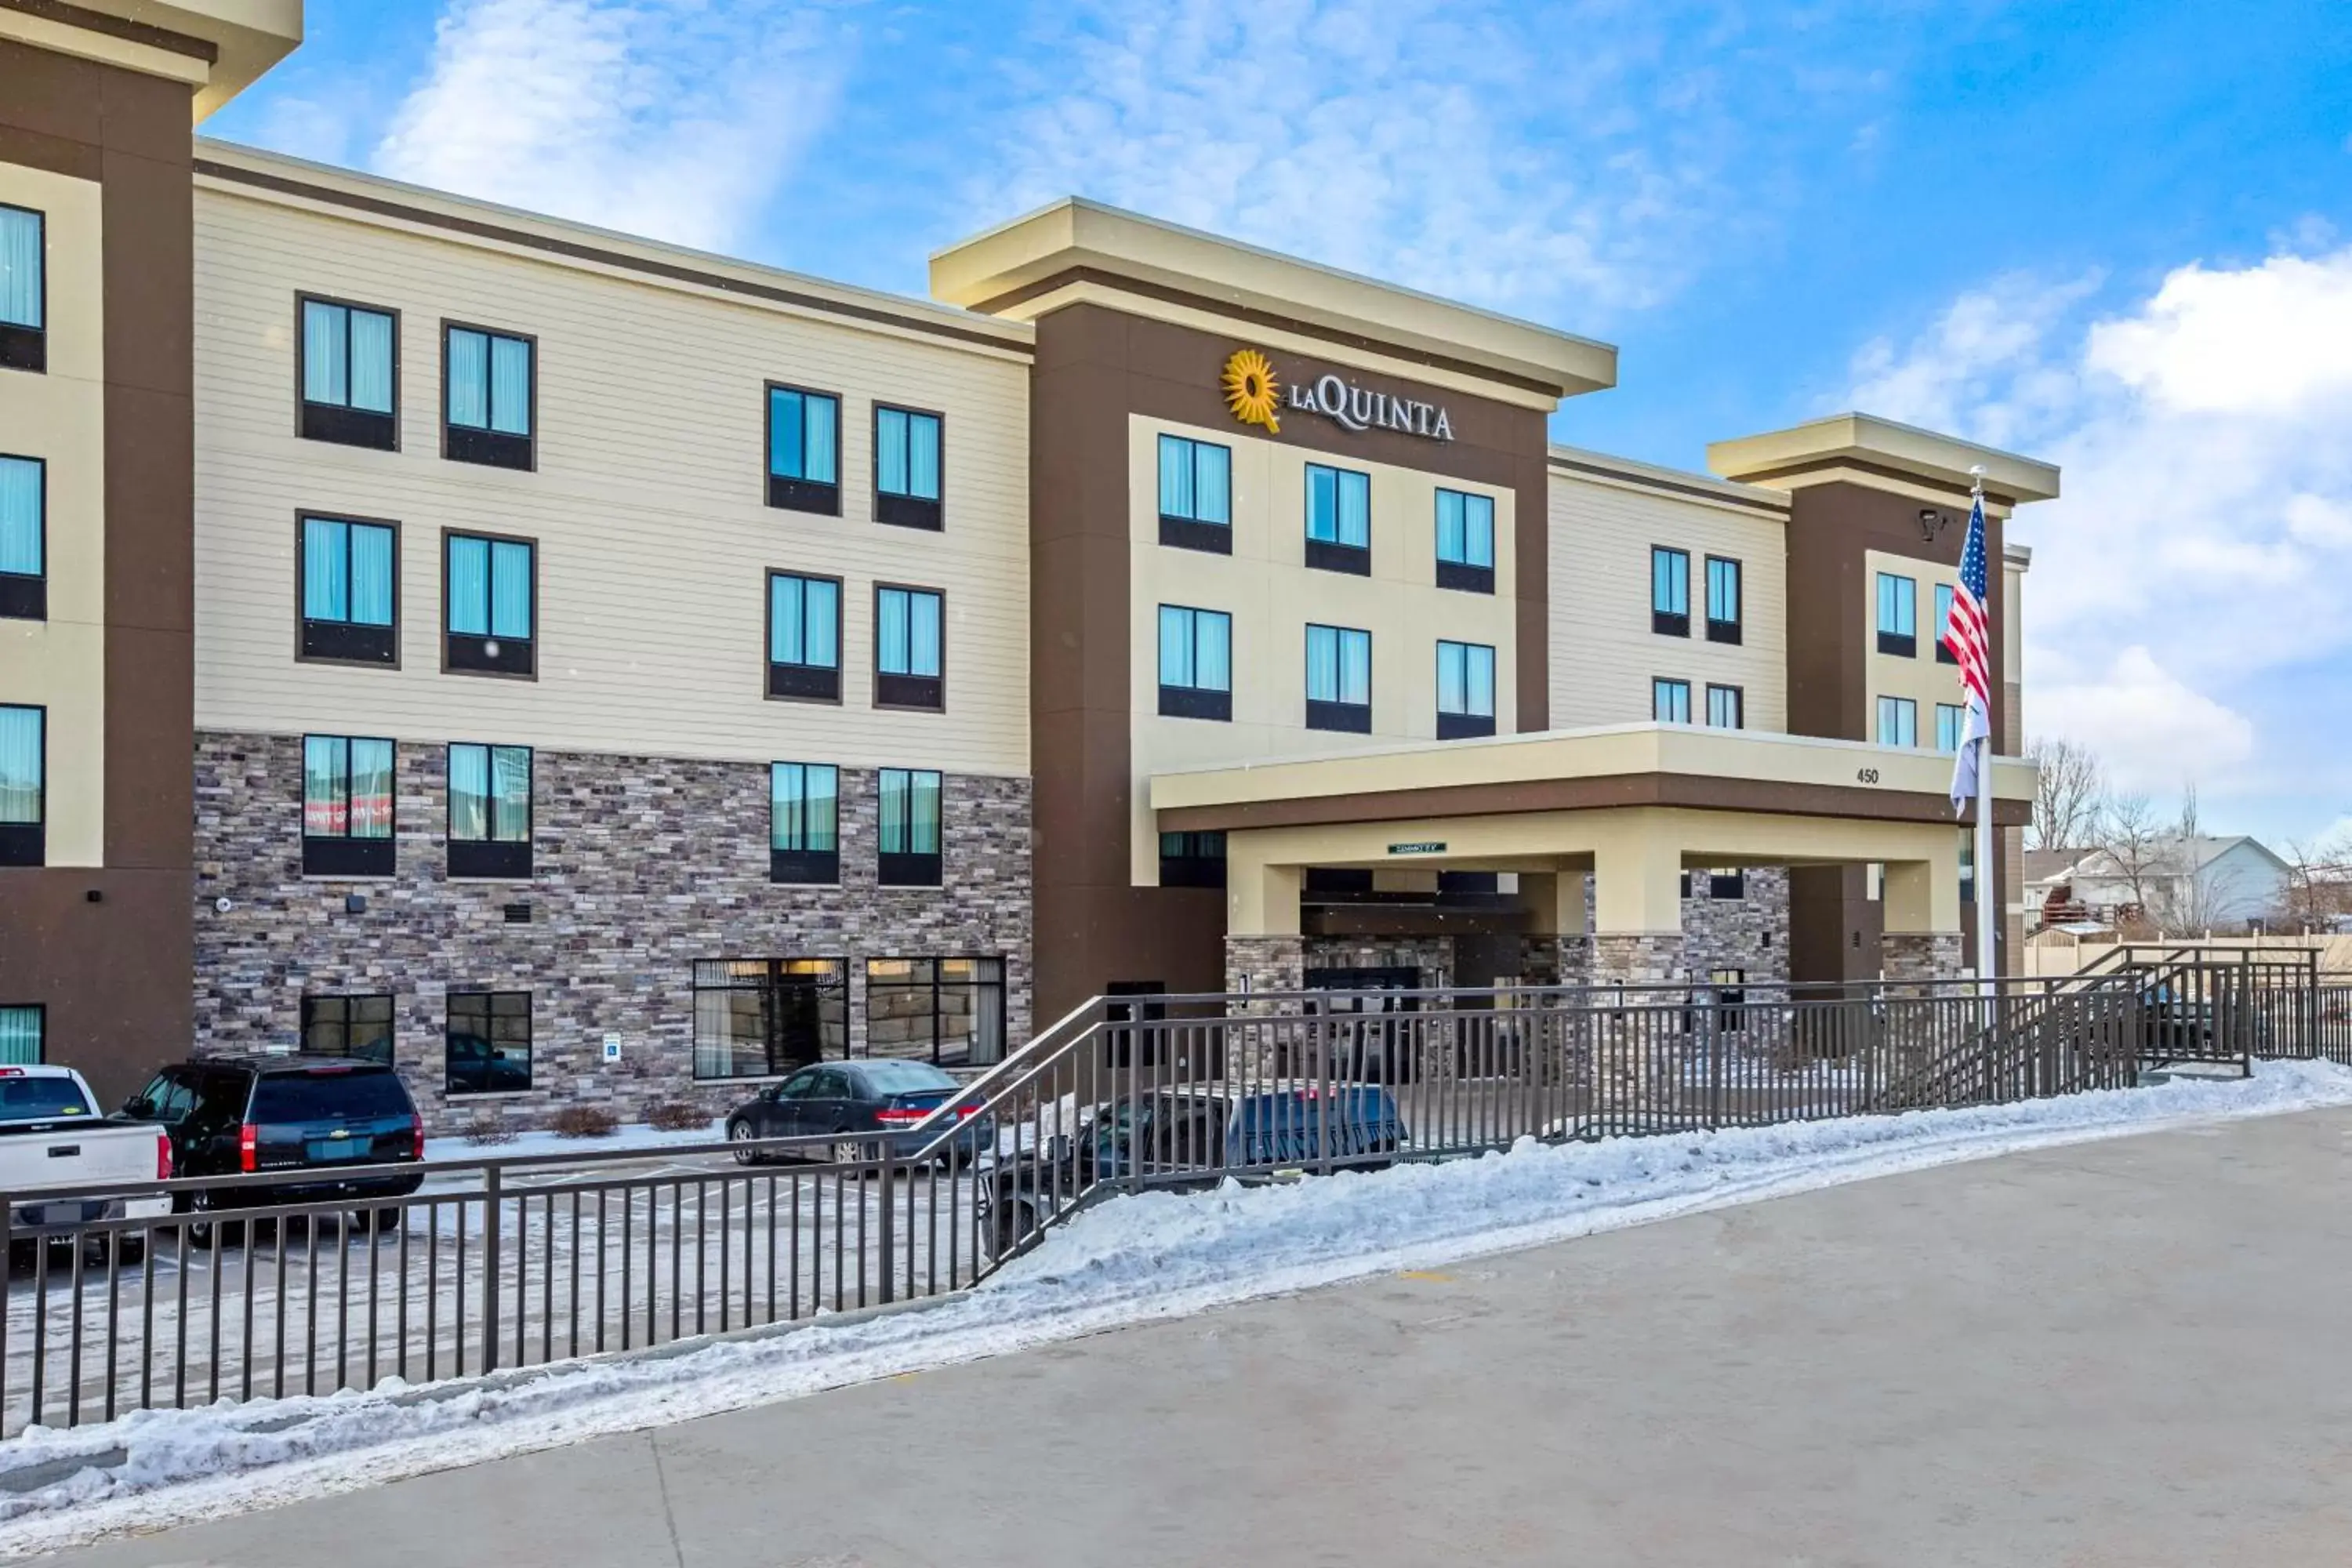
(199, 1232)
(740, 1133)
(1013, 1224)
(387, 1220)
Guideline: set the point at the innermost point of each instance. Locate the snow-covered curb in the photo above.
(635, 1137)
(1128, 1261)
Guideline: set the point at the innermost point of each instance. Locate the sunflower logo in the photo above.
(1250, 390)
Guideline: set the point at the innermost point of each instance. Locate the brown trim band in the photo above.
(121, 28)
(580, 252)
(1698, 792)
(1818, 465)
(1643, 481)
(1231, 312)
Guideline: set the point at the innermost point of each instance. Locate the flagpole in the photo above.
(1987, 962)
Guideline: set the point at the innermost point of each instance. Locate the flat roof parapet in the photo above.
(1869, 444)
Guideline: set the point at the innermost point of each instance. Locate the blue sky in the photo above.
(2118, 235)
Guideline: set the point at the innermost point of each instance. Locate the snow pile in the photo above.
(1127, 1261)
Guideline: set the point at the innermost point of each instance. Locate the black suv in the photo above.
(307, 1116)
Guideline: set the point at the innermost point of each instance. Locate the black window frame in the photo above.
(1195, 532)
(340, 422)
(1192, 859)
(490, 1017)
(346, 855)
(790, 682)
(804, 866)
(824, 979)
(1464, 576)
(27, 844)
(997, 988)
(326, 641)
(1897, 644)
(785, 491)
(1726, 629)
(1731, 883)
(25, 596)
(1178, 700)
(911, 868)
(315, 1004)
(1334, 554)
(1661, 683)
(1739, 695)
(490, 858)
(1465, 726)
(1945, 594)
(899, 510)
(906, 691)
(485, 653)
(1667, 621)
(1339, 717)
(22, 347)
(482, 444)
(1878, 723)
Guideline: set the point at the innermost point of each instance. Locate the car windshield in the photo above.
(903, 1077)
(41, 1099)
(333, 1094)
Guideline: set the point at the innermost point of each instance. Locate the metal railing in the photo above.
(502, 1262)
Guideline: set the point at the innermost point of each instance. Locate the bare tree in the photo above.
(2133, 842)
(2070, 793)
(2318, 883)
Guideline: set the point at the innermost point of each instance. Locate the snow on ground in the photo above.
(1132, 1260)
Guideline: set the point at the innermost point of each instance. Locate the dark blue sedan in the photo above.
(862, 1106)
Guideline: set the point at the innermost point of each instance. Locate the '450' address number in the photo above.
(1867, 775)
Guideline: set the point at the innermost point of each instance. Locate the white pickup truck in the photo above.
(54, 1144)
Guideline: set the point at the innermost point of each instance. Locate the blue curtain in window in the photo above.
(469, 793)
(326, 570)
(890, 450)
(822, 431)
(787, 451)
(784, 806)
(1323, 504)
(371, 574)
(510, 789)
(787, 632)
(1452, 680)
(819, 814)
(1322, 664)
(1175, 646)
(20, 516)
(893, 825)
(20, 267)
(1213, 483)
(510, 590)
(1355, 510)
(1212, 651)
(469, 379)
(1479, 681)
(326, 373)
(1176, 477)
(371, 373)
(1355, 668)
(1670, 582)
(20, 1037)
(923, 813)
(511, 387)
(1450, 542)
(923, 634)
(469, 586)
(822, 604)
(923, 456)
(1478, 531)
(20, 764)
(326, 774)
(1722, 591)
(890, 631)
(371, 814)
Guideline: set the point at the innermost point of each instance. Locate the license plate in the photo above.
(339, 1148)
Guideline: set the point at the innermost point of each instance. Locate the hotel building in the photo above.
(585, 669)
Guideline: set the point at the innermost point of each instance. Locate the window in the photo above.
(1726, 707)
(489, 811)
(949, 1010)
(1968, 867)
(1339, 680)
(1196, 495)
(1951, 725)
(24, 745)
(1898, 721)
(1466, 691)
(1726, 882)
(1670, 701)
(1196, 663)
(347, 1026)
(1130, 1046)
(909, 829)
(1722, 600)
(488, 1042)
(1943, 620)
(20, 1037)
(1899, 615)
(24, 296)
(24, 539)
(803, 636)
(347, 806)
(1339, 520)
(908, 635)
(1465, 542)
(906, 468)
(488, 586)
(1730, 999)
(1669, 592)
(1192, 859)
(804, 450)
(764, 1017)
(487, 377)
(350, 371)
(803, 823)
(351, 581)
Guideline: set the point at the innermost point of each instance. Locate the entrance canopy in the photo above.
(1633, 804)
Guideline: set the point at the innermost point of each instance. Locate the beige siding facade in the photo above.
(646, 505)
(1604, 654)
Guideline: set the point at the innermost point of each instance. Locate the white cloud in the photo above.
(670, 118)
(2189, 609)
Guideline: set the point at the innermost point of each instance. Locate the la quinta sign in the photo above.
(1250, 380)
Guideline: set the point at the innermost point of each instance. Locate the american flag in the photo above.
(1966, 633)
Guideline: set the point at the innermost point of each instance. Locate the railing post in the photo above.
(491, 1203)
(889, 1219)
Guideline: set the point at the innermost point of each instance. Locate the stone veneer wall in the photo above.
(1920, 955)
(641, 866)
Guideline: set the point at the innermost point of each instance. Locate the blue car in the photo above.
(863, 1106)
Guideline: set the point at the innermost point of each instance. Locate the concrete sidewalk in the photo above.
(2127, 1353)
